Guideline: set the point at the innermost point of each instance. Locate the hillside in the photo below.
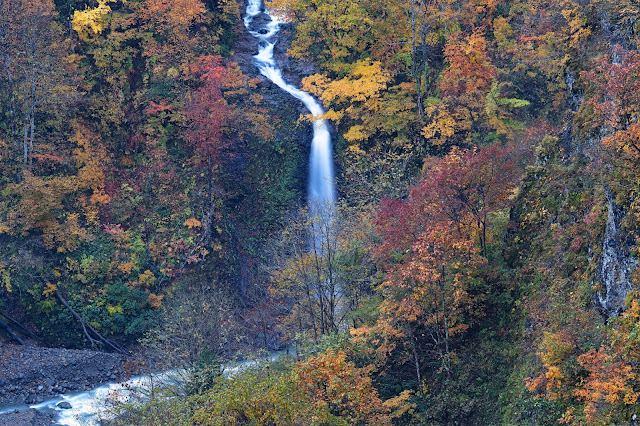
(479, 267)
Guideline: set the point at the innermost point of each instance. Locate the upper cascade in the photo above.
(321, 189)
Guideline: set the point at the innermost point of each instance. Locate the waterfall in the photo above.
(321, 189)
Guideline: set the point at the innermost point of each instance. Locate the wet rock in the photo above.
(64, 405)
(616, 265)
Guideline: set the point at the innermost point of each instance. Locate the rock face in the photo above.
(616, 264)
(31, 374)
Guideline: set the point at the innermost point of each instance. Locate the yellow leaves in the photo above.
(400, 405)
(356, 133)
(444, 122)
(441, 127)
(112, 310)
(90, 22)
(630, 398)
(355, 149)
(49, 289)
(365, 81)
(356, 96)
(553, 374)
(315, 84)
(5, 276)
(88, 157)
(146, 279)
(192, 223)
(578, 27)
(4, 229)
(503, 33)
(558, 347)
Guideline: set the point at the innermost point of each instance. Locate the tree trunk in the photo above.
(13, 335)
(92, 335)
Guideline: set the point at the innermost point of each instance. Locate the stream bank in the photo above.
(32, 374)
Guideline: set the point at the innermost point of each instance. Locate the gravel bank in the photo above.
(31, 374)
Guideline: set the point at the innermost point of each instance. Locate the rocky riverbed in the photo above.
(31, 374)
(29, 417)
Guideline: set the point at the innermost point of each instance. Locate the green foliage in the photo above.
(260, 396)
(143, 177)
(203, 376)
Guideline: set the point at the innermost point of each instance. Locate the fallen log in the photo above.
(24, 329)
(13, 335)
(91, 334)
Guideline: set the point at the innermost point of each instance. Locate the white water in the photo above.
(88, 408)
(321, 190)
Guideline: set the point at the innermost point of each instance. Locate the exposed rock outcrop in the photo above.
(616, 265)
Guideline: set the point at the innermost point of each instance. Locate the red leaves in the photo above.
(468, 77)
(460, 191)
(615, 99)
(207, 110)
(434, 241)
(215, 111)
(155, 108)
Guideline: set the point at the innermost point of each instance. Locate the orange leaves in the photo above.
(604, 379)
(173, 14)
(40, 207)
(615, 96)
(49, 289)
(155, 108)
(347, 391)
(155, 301)
(100, 197)
(470, 72)
(609, 381)
(434, 241)
(558, 349)
(192, 223)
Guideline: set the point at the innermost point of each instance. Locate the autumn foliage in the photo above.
(487, 155)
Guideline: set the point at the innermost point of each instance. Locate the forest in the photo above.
(479, 266)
